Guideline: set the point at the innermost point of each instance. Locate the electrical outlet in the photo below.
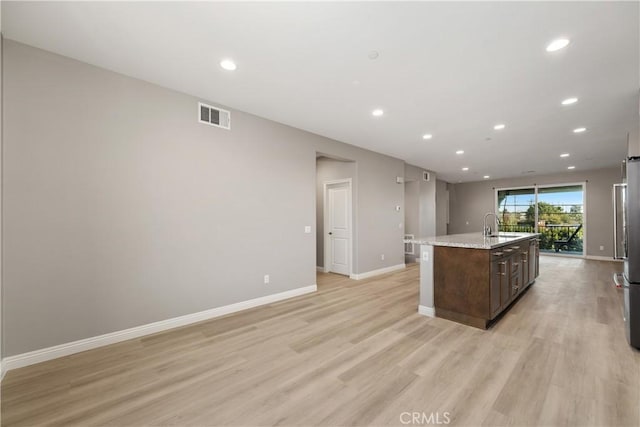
(266, 279)
(602, 248)
(425, 256)
(307, 229)
(382, 257)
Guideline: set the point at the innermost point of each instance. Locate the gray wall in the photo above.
(121, 210)
(428, 227)
(634, 139)
(330, 170)
(442, 207)
(634, 145)
(1, 133)
(427, 199)
(470, 201)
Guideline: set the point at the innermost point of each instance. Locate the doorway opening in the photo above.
(335, 215)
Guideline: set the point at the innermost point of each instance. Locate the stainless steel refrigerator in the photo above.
(626, 201)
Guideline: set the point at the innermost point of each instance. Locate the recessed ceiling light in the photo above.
(427, 136)
(228, 65)
(373, 54)
(486, 177)
(579, 130)
(571, 167)
(377, 112)
(465, 169)
(557, 44)
(564, 155)
(498, 127)
(460, 152)
(569, 101)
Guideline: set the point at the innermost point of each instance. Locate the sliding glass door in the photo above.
(556, 212)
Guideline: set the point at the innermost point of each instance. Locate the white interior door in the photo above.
(338, 229)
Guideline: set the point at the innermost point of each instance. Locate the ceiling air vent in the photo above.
(214, 116)
(425, 175)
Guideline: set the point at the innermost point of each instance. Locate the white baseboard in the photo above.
(427, 311)
(320, 269)
(1, 371)
(602, 258)
(378, 272)
(42, 355)
(560, 255)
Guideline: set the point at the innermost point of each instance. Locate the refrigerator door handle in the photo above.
(615, 219)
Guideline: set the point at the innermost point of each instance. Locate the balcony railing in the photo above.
(551, 233)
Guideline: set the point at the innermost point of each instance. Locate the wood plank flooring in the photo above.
(357, 353)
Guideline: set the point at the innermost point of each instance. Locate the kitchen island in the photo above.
(471, 278)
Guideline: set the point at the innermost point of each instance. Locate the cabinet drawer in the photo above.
(499, 254)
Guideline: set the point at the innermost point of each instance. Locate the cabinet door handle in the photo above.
(524, 261)
(501, 273)
(516, 264)
(515, 247)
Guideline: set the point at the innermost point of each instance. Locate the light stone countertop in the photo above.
(473, 240)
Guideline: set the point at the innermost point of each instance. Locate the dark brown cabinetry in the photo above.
(499, 291)
(524, 259)
(533, 254)
(473, 286)
(534, 260)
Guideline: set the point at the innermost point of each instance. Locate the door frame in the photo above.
(327, 239)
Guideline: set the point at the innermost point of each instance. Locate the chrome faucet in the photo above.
(486, 230)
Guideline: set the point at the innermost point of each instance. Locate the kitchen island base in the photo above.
(465, 319)
(473, 286)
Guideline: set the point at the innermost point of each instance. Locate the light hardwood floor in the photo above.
(357, 353)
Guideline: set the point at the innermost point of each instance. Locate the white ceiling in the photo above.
(450, 69)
